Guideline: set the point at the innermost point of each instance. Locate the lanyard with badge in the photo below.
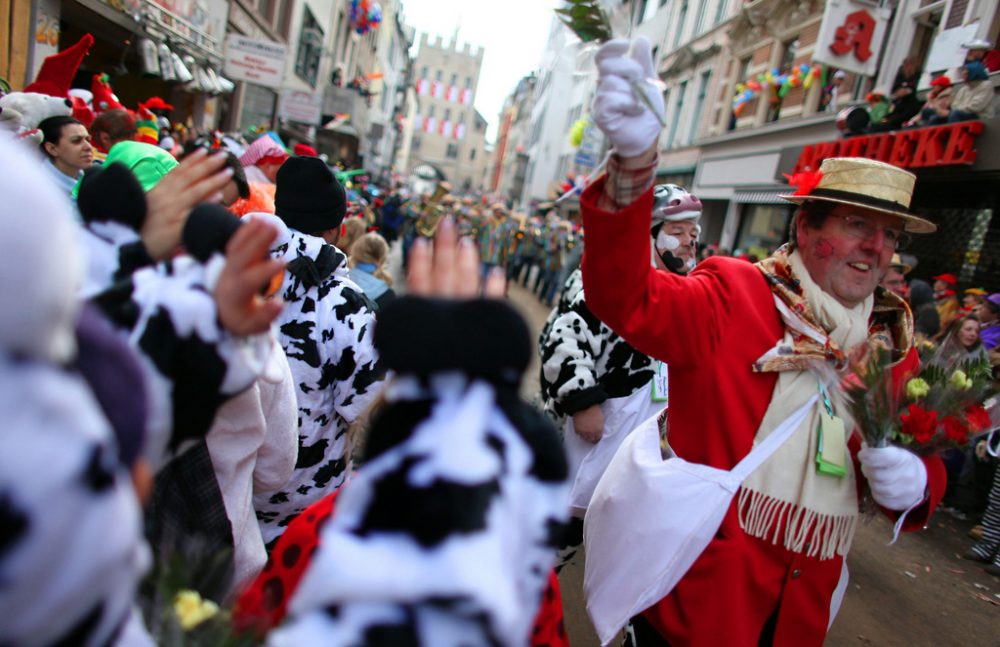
(831, 455)
(659, 392)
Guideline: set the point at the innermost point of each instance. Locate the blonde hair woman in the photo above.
(369, 255)
(353, 229)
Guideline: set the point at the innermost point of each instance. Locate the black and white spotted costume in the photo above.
(326, 330)
(71, 548)
(446, 534)
(169, 315)
(583, 361)
(71, 553)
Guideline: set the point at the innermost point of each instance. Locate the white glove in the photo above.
(623, 117)
(898, 479)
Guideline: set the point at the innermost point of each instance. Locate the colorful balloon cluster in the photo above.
(800, 76)
(365, 16)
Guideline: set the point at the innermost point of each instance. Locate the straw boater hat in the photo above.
(865, 183)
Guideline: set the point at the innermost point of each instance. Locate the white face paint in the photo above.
(665, 242)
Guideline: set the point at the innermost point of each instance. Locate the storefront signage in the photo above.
(949, 145)
(254, 60)
(303, 107)
(851, 35)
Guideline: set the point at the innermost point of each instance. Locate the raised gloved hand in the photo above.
(898, 479)
(623, 117)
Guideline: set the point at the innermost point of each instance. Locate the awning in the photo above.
(762, 196)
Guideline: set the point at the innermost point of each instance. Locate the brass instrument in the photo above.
(429, 219)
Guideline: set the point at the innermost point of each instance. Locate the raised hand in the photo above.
(627, 121)
(242, 309)
(196, 179)
(451, 271)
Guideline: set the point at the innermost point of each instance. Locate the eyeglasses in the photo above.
(863, 228)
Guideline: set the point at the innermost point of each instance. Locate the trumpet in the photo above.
(429, 219)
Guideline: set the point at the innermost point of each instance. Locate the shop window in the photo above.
(678, 108)
(451, 152)
(423, 72)
(447, 114)
(681, 19)
(283, 17)
(763, 229)
(468, 83)
(453, 80)
(699, 104)
(699, 20)
(310, 49)
(789, 50)
(720, 11)
(437, 76)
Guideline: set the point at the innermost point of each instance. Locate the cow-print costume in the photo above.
(326, 330)
(583, 361)
(71, 549)
(169, 314)
(446, 534)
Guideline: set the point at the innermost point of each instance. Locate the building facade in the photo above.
(447, 136)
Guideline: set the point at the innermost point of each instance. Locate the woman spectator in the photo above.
(66, 144)
(369, 255)
(961, 343)
(938, 105)
(262, 160)
(353, 229)
(974, 100)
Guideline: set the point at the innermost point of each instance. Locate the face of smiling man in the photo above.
(850, 252)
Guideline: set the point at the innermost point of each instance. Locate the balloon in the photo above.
(740, 88)
(808, 81)
(576, 133)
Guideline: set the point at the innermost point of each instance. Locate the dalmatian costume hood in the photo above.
(446, 534)
(326, 330)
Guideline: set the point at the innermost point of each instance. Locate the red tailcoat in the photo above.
(710, 327)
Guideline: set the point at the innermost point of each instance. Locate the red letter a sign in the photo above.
(856, 33)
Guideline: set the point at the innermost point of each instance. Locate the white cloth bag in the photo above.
(650, 519)
(587, 461)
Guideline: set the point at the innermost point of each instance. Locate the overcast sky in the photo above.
(512, 33)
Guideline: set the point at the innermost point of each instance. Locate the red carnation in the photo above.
(977, 418)
(954, 429)
(920, 423)
(804, 181)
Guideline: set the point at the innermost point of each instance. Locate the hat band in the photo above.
(879, 203)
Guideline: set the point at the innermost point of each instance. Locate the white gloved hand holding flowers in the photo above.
(627, 121)
(897, 478)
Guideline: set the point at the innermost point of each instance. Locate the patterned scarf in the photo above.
(786, 499)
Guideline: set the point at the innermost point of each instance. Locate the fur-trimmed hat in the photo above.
(57, 71)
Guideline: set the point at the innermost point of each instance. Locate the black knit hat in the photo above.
(308, 198)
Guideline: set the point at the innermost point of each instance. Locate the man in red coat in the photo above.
(748, 345)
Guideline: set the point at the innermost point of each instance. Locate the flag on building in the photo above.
(452, 93)
(460, 131)
(429, 124)
(467, 96)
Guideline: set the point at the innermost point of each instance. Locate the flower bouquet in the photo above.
(938, 409)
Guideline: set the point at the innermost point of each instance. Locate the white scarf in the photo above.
(786, 499)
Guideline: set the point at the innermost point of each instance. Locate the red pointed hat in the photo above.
(104, 97)
(58, 70)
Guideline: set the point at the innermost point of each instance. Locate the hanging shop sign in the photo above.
(954, 144)
(303, 107)
(851, 36)
(258, 61)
